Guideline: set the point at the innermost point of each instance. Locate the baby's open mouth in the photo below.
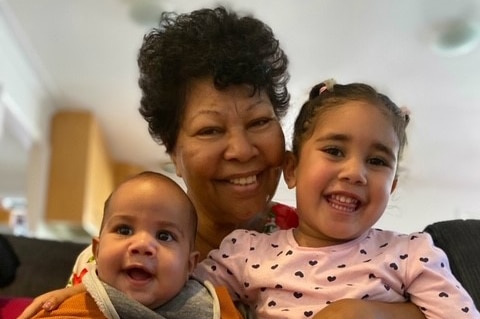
(138, 274)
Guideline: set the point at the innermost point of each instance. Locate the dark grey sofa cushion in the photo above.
(8, 262)
(45, 265)
(460, 240)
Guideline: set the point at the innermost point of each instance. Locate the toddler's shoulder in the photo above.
(389, 237)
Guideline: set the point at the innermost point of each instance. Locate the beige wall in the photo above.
(4, 215)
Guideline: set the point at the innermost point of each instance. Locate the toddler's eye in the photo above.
(378, 162)
(165, 236)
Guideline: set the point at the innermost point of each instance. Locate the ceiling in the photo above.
(85, 51)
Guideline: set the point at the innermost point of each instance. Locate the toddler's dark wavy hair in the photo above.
(206, 43)
(328, 94)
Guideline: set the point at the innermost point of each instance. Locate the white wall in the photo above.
(26, 99)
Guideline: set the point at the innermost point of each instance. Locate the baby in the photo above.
(144, 258)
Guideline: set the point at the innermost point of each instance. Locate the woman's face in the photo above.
(229, 151)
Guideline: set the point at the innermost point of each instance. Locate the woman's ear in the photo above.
(173, 157)
(289, 170)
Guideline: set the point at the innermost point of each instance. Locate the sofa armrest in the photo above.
(459, 239)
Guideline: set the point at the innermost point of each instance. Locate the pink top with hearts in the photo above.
(280, 279)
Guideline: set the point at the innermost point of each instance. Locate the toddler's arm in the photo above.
(50, 300)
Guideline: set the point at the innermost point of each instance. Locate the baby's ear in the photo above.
(95, 244)
(289, 170)
(193, 261)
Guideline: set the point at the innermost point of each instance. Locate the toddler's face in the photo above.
(344, 174)
(144, 249)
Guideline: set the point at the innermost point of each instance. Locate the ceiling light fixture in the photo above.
(456, 38)
(147, 12)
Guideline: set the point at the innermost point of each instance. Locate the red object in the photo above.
(78, 279)
(12, 307)
(285, 216)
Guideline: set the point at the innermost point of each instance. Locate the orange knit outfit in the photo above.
(82, 305)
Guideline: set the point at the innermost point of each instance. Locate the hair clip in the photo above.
(405, 112)
(322, 89)
(328, 86)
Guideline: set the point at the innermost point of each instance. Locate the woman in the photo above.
(214, 90)
(223, 80)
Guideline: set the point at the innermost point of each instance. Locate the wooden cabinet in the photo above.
(81, 175)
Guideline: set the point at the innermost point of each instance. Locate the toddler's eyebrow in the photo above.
(385, 149)
(344, 138)
(333, 137)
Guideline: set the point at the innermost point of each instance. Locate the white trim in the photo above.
(15, 121)
(31, 56)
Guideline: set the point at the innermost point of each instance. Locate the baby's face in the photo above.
(144, 249)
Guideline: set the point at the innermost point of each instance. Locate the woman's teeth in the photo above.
(244, 180)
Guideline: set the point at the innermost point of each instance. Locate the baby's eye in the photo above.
(124, 230)
(334, 151)
(165, 236)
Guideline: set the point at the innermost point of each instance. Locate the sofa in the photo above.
(44, 265)
(39, 265)
(460, 240)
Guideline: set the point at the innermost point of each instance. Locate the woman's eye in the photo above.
(208, 131)
(165, 236)
(260, 122)
(124, 230)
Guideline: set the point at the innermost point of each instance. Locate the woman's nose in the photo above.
(142, 244)
(240, 146)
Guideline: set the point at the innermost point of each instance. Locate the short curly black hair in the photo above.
(207, 42)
